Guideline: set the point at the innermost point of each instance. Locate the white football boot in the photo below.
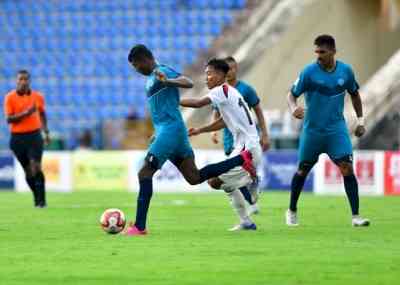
(357, 221)
(291, 218)
(244, 227)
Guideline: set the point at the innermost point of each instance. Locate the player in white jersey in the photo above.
(236, 116)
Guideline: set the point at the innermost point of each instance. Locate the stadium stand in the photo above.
(77, 51)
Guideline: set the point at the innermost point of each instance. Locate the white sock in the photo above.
(239, 204)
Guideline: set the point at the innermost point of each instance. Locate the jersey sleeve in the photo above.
(352, 84)
(214, 107)
(8, 106)
(216, 96)
(169, 72)
(251, 97)
(300, 85)
(40, 103)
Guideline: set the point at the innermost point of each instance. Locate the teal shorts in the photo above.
(336, 145)
(169, 144)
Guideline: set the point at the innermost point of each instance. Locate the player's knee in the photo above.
(346, 169)
(214, 183)
(28, 172)
(145, 172)
(34, 168)
(302, 172)
(304, 168)
(193, 180)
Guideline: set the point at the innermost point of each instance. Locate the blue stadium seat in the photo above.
(77, 50)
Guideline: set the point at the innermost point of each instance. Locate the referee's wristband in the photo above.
(360, 121)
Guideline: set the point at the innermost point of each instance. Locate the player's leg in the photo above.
(145, 191)
(145, 176)
(194, 176)
(19, 149)
(246, 195)
(159, 151)
(231, 182)
(238, 204)
(35, 154)
(340, 151)
(251, 194)
(309, 150)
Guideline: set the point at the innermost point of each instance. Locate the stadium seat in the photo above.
(77, 50)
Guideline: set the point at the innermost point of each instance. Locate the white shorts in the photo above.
(238, 177)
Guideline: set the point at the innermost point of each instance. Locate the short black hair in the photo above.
(219, 64)
(24, 71)
(230, 59)
(325, 40)
(139, 52)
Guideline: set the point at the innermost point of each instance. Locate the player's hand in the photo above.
(194, 132)
(214, 138)
(151, 139)
(264, 142)
(47, 139)
(160, 76)
(298, 113)
(360, 131)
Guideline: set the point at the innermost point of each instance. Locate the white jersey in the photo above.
(236, 115)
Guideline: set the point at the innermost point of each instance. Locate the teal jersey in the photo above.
(164, 101)
(324, 96)
(251, 98)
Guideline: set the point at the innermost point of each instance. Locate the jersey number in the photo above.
(241, 104)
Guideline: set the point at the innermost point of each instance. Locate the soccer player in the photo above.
(25, 112)
(324, 84)
(171, 140)
(253, 102)
(236, 116)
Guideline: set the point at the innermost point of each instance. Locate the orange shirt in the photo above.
(15, 104)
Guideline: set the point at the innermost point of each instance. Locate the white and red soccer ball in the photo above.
(112, 221)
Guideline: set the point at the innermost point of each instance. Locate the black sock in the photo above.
(31, 183)
(246, 194)
(351, 188)
(296, 187)
(40, 188)
(216, 169)
(143, 202)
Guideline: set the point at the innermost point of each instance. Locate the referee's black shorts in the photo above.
(27, 147)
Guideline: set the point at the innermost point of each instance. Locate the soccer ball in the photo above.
(112, 221)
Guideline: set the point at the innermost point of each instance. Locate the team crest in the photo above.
(340, 81)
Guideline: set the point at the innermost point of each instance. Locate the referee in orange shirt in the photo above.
(25, 112)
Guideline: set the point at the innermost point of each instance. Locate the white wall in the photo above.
(360, 42)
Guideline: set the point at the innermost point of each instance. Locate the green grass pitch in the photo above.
(189, 242)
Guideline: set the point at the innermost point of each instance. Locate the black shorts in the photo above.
(27, 147)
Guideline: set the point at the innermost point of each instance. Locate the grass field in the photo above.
(189, 244)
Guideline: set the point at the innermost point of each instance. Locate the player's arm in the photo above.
(180, 82)
(352, 88)
(299, 87)
(45, 129)
(195, 102)
(215, 116)
(264, 140)
(357, 105)
(43, 118)
(213, 126)
(15, 118)
(296, 110)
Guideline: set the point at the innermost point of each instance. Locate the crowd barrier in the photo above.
(378, 172)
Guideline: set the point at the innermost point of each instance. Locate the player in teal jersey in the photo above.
(171, 138)
(324, 84)
(253, 101)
